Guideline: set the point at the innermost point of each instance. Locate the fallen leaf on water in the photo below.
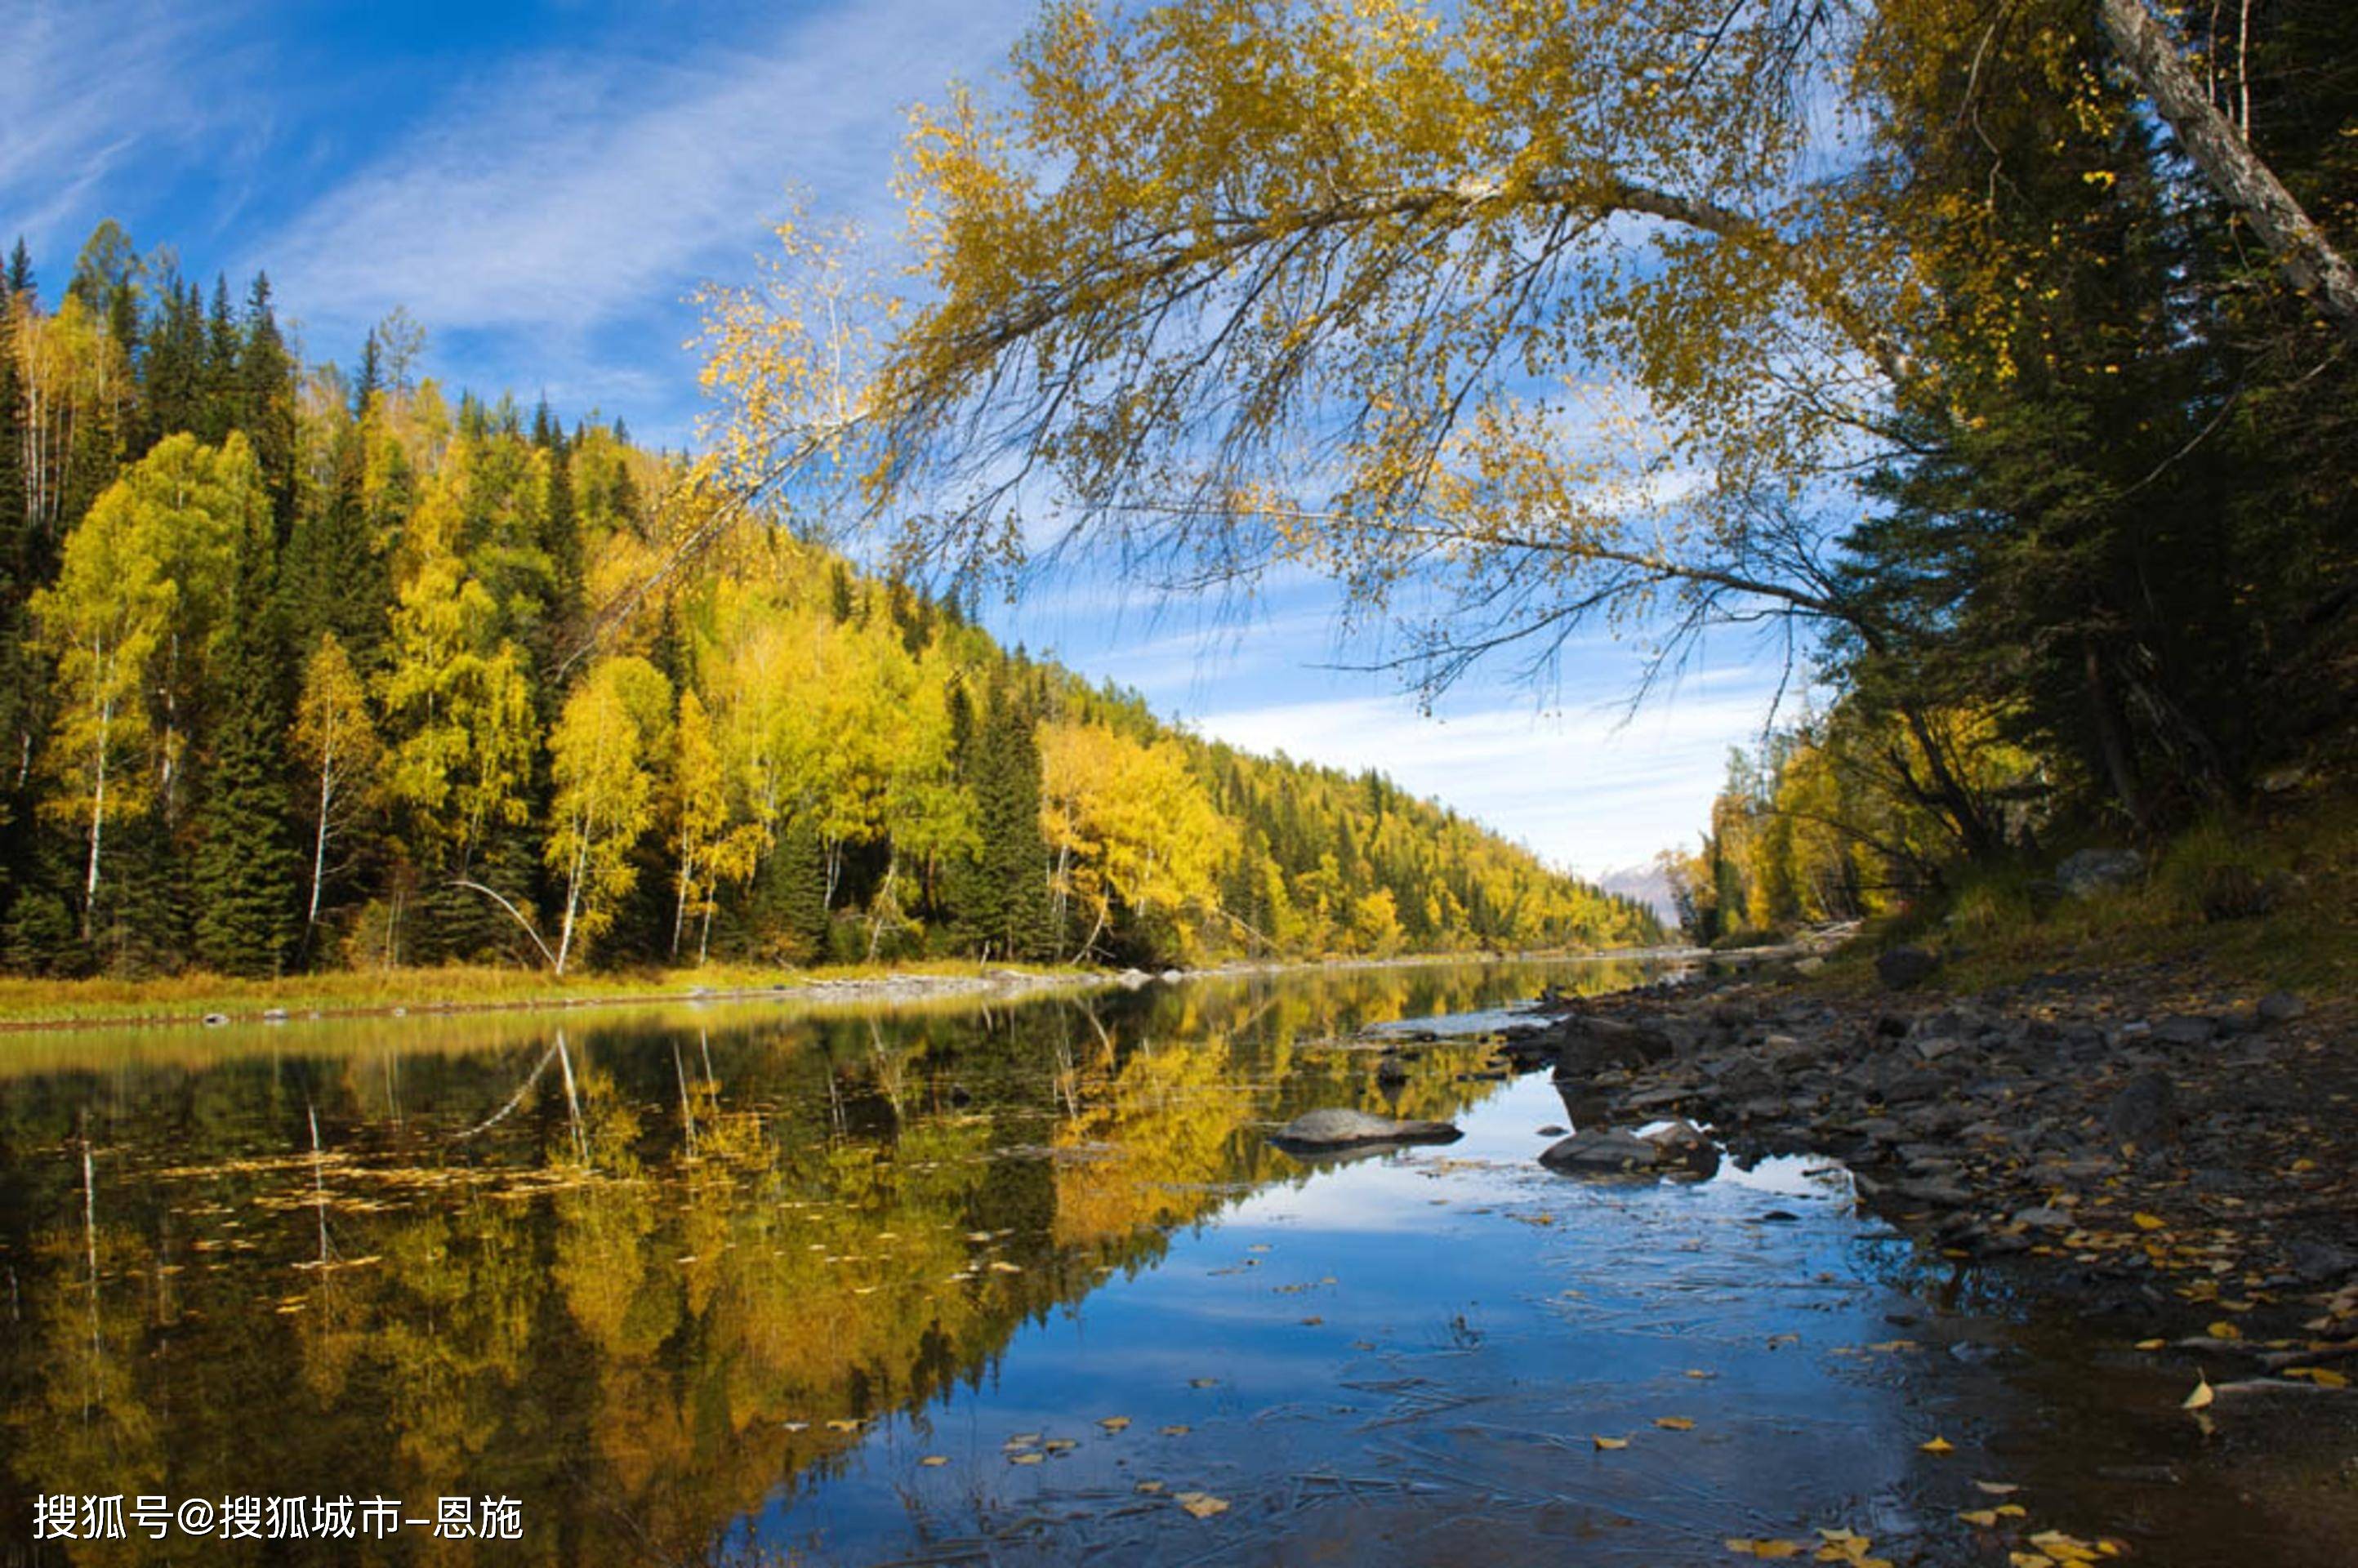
(2202, 1396)
(1772, 1549)
(1150, 1489)
(1986, 1519)
(1698, 1373)
(1312, 1322)
(1999, 1489)
(1202, 1505)
(1029, 1456)
(1113, 1422)
(1060, 1445)
(843, 1426)
(1609, 1443)
(2151, 1344)
(2222, 1329)
(1180, 1430)
(1203, 1382)
(2147, 1221)
(934, 1460)
(1674, 1422)
(1938, 1445)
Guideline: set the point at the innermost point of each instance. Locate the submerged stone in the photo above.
(1338, 1129)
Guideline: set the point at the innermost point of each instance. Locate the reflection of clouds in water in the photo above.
(1791, 1176)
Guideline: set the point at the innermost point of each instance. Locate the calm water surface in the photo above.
(740, 1284)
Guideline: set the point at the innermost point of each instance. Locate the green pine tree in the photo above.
(245, 872)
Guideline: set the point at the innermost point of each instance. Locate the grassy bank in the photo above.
(49, 1002)
(2257, 902)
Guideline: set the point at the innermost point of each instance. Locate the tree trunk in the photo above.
(2227, 161)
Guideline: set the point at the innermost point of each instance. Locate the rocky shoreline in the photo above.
(2184, 1163)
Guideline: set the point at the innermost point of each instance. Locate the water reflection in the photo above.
(737, 1284)
(634, 1270)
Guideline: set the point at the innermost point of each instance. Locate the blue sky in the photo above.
(544, 186)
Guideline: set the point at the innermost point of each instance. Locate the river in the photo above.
(754, 1284)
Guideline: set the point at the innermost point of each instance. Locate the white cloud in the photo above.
(566, 193)
(99, 90)
(1580, 787)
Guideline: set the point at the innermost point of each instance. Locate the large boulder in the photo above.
(1320, 1131)
(1601, 1152)
(1587, 1045)
(1902, 968)
(1678, 1148)
(2090, 872)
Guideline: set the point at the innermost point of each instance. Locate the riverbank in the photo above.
(2179, 1158)
(34, 1004)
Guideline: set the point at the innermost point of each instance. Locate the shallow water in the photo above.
(738, 1283)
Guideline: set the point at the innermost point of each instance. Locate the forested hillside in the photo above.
(309, 668)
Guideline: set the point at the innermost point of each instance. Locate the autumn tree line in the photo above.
(1988, 368)
(309, 667)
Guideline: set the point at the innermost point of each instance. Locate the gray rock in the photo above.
(1338, 1129)
(1901, 968)
(1587, 1045)
(2185, 1028)
(2092, 871)
(2144, 1111)
(2320, 1262)
(1936, 1047)
(2281, 1006)
(1683, 1144)
(1602, 1152)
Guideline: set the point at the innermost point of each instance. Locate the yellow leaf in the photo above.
(1114, 1423)
(2147, 1221)
(1609, 1443)
(1772, 1549)
(1939, 1445)
(1030, 1456)
(1999, 1489)
(1202, 1505)
(1985, 1519)
(2201, 1397)
(934, 1460)
(2222, 1329)
(1674, 1422)
(2151, 1344)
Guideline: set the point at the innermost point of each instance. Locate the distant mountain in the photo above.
(1648, 885)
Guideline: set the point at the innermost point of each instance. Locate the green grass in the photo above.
(179, 997)
(2001, 926)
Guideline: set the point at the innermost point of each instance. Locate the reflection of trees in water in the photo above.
(634, 1275)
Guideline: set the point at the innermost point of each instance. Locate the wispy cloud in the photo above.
(102, 92)
(557, 194)
(1580, 787)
